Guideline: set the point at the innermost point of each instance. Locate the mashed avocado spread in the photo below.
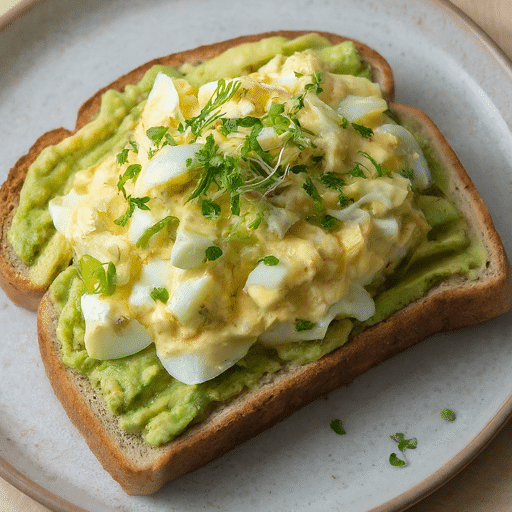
(294, 207)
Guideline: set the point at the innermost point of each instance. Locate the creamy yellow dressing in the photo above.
(317, 265)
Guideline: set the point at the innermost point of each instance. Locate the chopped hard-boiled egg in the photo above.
(198, 367)
(189, 249)
(356, 304)
(109, 335)
(264, 164)
(60, 207)
(410, 147)
(163, 102)
(189, 296)
(358, 109)
(153, 275)
(171, 166)
(266, 282)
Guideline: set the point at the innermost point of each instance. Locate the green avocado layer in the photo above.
(137, 388)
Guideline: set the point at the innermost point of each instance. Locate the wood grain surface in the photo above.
(486, 484)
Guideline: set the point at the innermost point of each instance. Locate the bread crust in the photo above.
(14, 273)
(141, 469)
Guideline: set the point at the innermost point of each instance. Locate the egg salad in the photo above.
(252, 210)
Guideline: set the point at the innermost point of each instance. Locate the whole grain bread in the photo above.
(452, 304)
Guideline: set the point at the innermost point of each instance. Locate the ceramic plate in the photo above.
(60, 52)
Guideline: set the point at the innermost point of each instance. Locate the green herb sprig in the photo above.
(96, 278)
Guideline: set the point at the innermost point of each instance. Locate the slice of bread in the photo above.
(451, 304)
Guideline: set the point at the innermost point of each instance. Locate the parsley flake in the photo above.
(133, 202)
(213, 253)
(364, 131)
(131, 173)
(270, 261)
(396, 461)
(448, 415)
(211, 111)
(337, 426)
(160, 294)
(210, 209)
(329, 222)
(304, 325)
(312, 191)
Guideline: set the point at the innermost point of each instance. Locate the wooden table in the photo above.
(486, 484)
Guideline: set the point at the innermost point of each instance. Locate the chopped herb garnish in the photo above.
(332, 180)
(169, 221)
(133, 202)
(96, 278)
(210, 112)
(235, 204)
(131, 173)
(270, 261)
(231, 125)
(160, 137)
(213, 253)
(357, 170)
(160, 294)
(316, 84)
(448, 415)
(377, 166)
(156, 133)
(403, 443)
(297, 169)
(408, 173)
(329, 222)
(396, 461)
(212, 166)
(257, 221)
(251, 144)
(337, 426)
(343, 200)
(210, 209)
(122, 157)
(304, 325)
(312, 191)
(344, 122)
(365, 132)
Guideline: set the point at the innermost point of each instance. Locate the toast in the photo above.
(450, 304)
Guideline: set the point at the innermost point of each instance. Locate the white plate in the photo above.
(60, 52)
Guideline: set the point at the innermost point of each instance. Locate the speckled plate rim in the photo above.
(415, 494)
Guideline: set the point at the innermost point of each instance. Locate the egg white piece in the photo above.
(163, 101)
(139, 222)
(354, 108)
(357, 303)
(388, 227)
(189, 249)
(189, 296)
(109, 337)
(280, 220)
(170, 166)
(265, 283)
(354, 214)
(60, 207)
(195, 368)
(409, 145)
(268, 138)
(153, 275)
